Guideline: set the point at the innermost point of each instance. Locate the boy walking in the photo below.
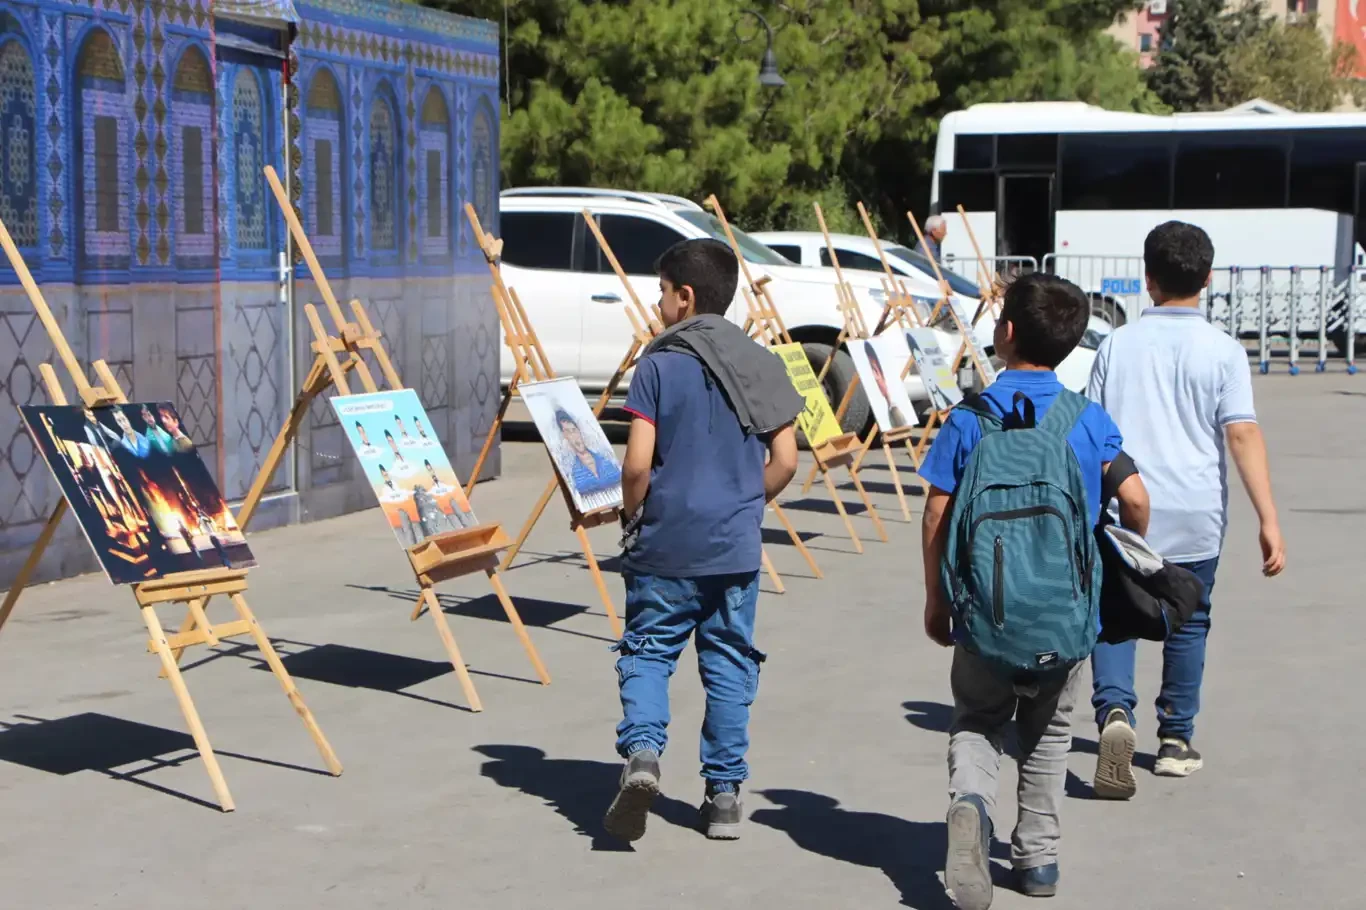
(1181, 391)
(711, 443)
(1012, 579)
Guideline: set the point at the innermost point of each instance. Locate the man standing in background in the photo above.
(936, 229)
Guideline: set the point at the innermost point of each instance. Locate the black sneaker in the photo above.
(1114, 777)
(721, 813)
(639, 786)
(967, 872)
(1176, 758)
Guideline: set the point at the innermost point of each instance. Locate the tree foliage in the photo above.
(663, 95)
(1213, 58)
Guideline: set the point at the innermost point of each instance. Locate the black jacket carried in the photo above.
(1142, 595)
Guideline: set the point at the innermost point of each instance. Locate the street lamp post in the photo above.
(768, 68)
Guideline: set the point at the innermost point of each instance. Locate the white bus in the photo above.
(1081, 187)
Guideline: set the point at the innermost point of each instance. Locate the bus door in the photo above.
(1024, 215)
(1359, 216)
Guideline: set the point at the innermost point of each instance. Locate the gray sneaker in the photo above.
(721, 814)
(1115, 759)
(639, 786)
(967, 870)
(1176, 758)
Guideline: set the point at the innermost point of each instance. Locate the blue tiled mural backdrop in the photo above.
(133, 134)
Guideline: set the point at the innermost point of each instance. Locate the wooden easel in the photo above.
(530, 364)
(839, 451)
(968, 346)
(193, 589)
(645, 327)
(436, 559)
(855, 327)
(988, 280)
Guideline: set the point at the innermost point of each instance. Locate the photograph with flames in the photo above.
(404, 464)
(139, 489)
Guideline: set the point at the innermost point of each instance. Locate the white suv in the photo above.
(576, 303)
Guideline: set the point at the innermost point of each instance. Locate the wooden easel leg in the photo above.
(187, 708)
(531, 520)
(287, 683)
(494, 430)
(810, 479)
(317, 380)
(867, 445)
(896, 481)
(186, 625)
(915, 460)
(773, 573)
(617, 629)
(513, 617)
(839, 507)
(444, 630)
(868, 504)
(797, 540)
(34, 557)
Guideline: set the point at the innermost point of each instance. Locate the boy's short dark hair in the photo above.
(1177, 257)
(708, 267)
(1049, 315)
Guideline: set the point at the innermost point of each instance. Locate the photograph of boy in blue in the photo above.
(590, 471)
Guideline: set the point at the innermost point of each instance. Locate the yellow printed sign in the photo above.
(816, 421)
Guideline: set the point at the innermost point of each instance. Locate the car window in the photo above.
(636, 242)
(753, 250)
(539, 240)
(851, 260)
(919, 262)
(787, 252)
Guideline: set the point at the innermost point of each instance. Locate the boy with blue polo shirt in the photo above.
(1042, 320)
(1181, 389)
(711, 443)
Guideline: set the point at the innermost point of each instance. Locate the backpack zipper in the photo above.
(998, 596)
(1029, 512)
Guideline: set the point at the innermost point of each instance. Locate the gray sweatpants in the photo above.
(983, 704)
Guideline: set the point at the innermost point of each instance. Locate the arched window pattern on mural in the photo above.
(192, 138)
(18, 144)
(433, 164)
(249, 137)
(103, 193)
(384, 176)
(322, 151)
(482, 164)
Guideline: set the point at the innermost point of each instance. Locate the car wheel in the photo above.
(1108, 310)
(836, 383)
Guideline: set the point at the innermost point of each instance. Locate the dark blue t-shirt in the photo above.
(1095, 439)
(705, 504)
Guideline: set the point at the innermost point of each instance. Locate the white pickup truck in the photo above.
(576, 302)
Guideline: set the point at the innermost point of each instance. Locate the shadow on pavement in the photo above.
(102, 743)
(910, 854)
(578, 789)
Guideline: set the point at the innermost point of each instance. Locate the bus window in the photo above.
(975, 191)
(972, 152)
(1231, 171)
(1027, 151)
(1323, 168)
(1116, 171)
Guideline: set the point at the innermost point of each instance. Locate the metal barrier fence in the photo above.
(1007, 267)
(1282, 309)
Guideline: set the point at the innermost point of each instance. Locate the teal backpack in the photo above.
(1021, 566)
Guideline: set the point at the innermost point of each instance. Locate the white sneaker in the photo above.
(1115, 763)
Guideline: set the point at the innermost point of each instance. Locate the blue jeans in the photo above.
(660, 615)
(1183, 667)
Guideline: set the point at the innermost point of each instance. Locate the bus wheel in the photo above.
(836, 383)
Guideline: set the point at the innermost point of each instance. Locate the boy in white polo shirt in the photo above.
(1180, 390)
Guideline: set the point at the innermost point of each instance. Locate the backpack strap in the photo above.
(1064, 413)
(987, 419)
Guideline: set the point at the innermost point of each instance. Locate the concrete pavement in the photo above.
(103, 799)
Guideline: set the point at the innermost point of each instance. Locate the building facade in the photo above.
(1338, 20)
(133, 136)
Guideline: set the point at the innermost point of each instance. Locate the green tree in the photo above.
(660, 95)
(1189, 72)
(1293, 66)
